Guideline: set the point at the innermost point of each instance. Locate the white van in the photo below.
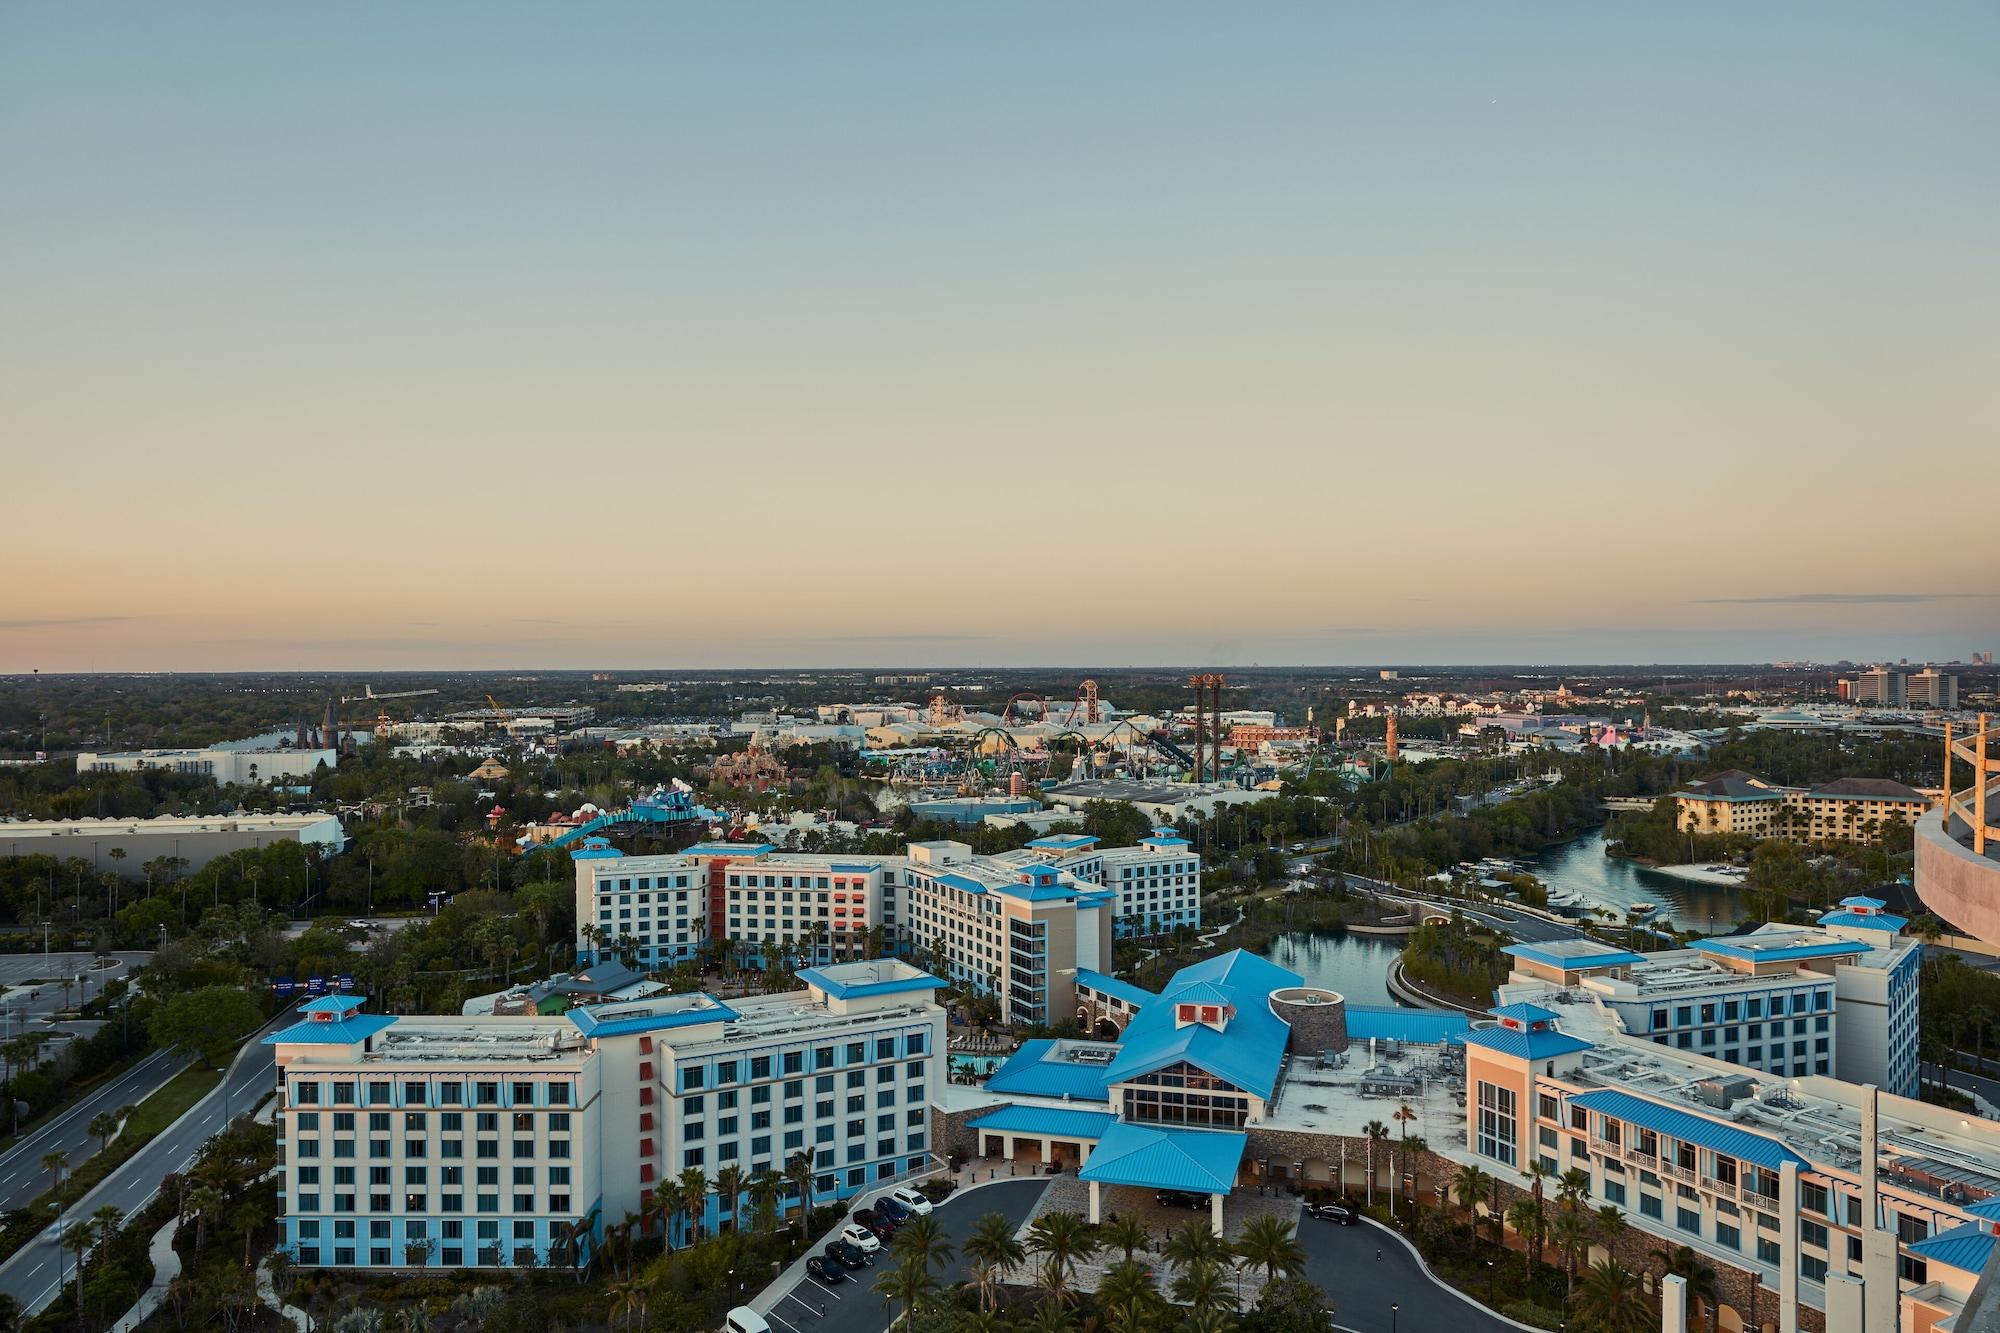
(743, 1319)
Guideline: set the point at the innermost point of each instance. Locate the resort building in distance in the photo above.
(1845, 810)
(1018, 925)
(509, 1142)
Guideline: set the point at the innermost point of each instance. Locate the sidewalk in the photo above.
(166, 1267)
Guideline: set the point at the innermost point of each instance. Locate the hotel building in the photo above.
(1845, 810)
(508, 1142)
(1839, 999)
(1817, 1201)
(1019, 925)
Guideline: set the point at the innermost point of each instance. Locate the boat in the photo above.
(1641, 909)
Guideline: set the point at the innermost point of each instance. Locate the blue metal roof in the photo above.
(1524, 1013)
(1246, 1054)
(1572, 958)
(622, 1018)
(596, 849)
(1423, 1027)
(846, 989)
(727, 849)
(1030, 1073)
(1055, 1121)
(1136, 996)
(1736, 947)
(1199, 1160)
(1859, 900)
(1966, 1248)
(1986, 1208)
(320, 1032)
(953, 879)
(1718, 1135)
(1544, 1044)
(1866, 920)
(331, 1004)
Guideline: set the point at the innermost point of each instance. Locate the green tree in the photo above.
(1269, 1242)
(1124, 1233)
(1127, 1296)
(994, 1253)
(211, 1021)
(1063, 1240)
(1613, 1300)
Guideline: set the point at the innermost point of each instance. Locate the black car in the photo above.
(889, 1208)
(847, 1256)
(1180, 1199)
(826, 1270)
(1332, 1212)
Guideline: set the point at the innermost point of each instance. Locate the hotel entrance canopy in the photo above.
(1200, 1161)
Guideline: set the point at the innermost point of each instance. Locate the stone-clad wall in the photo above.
(948, 1130)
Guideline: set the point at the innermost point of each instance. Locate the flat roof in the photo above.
(1571, 954)
(654, 1014)
(879, 976)
(171, 824)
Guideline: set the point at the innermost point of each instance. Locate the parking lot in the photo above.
(854, 1306)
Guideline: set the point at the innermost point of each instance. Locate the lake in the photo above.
(1581, 867)
(1354, 965)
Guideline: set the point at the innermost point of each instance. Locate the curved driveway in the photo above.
(1362, 1288)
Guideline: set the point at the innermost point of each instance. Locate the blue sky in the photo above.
(489, 334)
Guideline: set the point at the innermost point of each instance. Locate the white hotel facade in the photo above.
(1067, 897)
(504, 1142)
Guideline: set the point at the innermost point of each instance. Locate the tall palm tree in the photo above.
(1063, 1240)
(767, 1187)
(1126, 1234)
(923, 1236)
(1613, 1300)
(993, 1252)
(729, 1186)
(693, 1186)
(1572, 1232)
(1269, 1242)
(799, 1170)
(1469, 1184)
(1527, 1220)
(1376, 1133)
(908, 1280)
(1538, 1173)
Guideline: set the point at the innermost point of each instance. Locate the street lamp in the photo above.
(1393, 1308)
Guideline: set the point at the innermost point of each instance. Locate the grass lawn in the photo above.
(147, 1120)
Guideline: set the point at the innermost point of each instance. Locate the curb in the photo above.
(1443, 1285)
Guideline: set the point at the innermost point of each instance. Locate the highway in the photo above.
(22, 1176)
(35, 1274)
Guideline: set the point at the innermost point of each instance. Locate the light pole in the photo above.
(1393, 1308)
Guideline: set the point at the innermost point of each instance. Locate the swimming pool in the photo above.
(981, 1065)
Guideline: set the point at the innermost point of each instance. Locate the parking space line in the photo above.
(786, 1322)
(823, 1287)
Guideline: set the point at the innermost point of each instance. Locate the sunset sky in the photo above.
(470, 335)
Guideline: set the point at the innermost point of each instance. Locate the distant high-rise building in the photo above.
(1883, 686)
(1931, 688)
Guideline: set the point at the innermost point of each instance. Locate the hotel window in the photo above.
(1497, 1134)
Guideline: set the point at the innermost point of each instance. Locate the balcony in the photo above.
(1675, 1171)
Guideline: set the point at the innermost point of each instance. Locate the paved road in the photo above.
(31, 990)
(853, 1306)
(34, 1275)
(1342, 1261)
(22, 1176)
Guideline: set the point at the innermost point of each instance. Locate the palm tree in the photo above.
(1129, 1299)
(767, 1187)
(907, 1280)
(1375, 1132)
(625, 1301)
(922, 1235)
(1684, 1263)
(655, 1206)
(53, 1163)
(799, 1170)
(693, 1187)
(1206, 1287)
(1470, 1186)
(1194, 1243)
(994, 1253)
(1538, 1172)
(1124, 1233)
(1613, 1301)
(1269, 1242)
(1572, 1232)
(1064, 1241)
(729, 1187)
(1527, 1220)
(102, 1126)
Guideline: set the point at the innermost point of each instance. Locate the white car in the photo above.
(912, 1199)
(860, 1237)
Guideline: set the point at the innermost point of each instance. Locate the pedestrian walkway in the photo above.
(166, 1267)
